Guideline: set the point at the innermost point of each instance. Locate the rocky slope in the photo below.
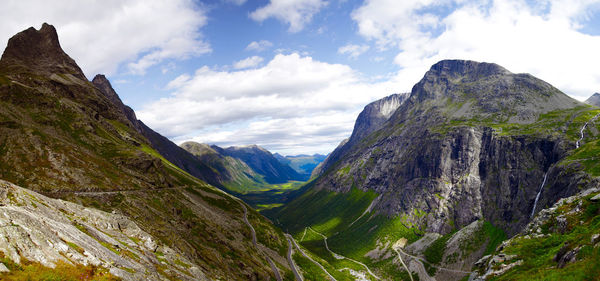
(472, 142)
(561, 243)
(594, 99)
(64, 136)
(369, 120)
(452, 138)
(36, 227)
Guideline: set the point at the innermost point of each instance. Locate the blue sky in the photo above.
(292, 75)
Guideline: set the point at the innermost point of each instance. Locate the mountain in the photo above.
(369, 120)
(594, 100)
(234, 174)
(303, 164)
(262, 162)
(469, 156)
(132, 212)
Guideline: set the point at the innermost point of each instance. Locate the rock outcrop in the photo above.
(39, 50)
(47, 230)
(443, 150)
(372, 118)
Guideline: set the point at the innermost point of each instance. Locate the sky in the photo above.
(292, 75)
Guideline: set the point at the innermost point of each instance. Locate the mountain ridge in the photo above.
(470, 148)
(373, 116)
(69, 138)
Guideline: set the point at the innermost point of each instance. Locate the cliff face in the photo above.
(369, 120)
(471, 142)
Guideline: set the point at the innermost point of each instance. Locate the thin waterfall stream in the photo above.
(537, 197)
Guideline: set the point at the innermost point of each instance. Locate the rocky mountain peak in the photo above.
(102, 83)
(39, 50)
(461, 89)
(375, 114)
(461, 68)
(594, 100)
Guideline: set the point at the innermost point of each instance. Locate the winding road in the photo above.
(273, 267)
(308, 257)
(337, 256)
(403, 264)
(421, 260)
(290, 259)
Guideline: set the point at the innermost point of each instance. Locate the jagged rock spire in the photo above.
(39, 50)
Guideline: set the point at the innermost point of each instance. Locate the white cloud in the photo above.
(296, 13)
(259, 46)
(544, 40)
(281, 105)
(353, 51)
(250, 62)
(101, 35)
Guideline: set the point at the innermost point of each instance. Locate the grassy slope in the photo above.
(29, 270)
(58, 145)
(332, 213)
(538, 253)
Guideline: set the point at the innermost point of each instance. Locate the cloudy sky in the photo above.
(292, 75)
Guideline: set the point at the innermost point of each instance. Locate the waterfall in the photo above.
(583, 128)
(538, 195)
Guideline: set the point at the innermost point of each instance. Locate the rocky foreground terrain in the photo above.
(136, 210)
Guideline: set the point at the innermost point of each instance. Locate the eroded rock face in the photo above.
(48, 230)
(420, 160)
(373, 116)
(39, 50)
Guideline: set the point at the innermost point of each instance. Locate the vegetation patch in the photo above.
(538, 254)
(30, 270)
(435, 251)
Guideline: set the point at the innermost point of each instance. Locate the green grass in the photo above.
(587, 155)
(309, 270)
(495, 235)
(30, 270)
(566, 122)
(327, 212)
(332, 214)
(435, 252)
(538, 253)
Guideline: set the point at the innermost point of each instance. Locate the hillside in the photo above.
(66, 137)
(594, 100)
(243, 169)
(303, 164)
(472, 153)
(262, 162)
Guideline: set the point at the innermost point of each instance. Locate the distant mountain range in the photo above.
(303, 164)
(243, 169)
